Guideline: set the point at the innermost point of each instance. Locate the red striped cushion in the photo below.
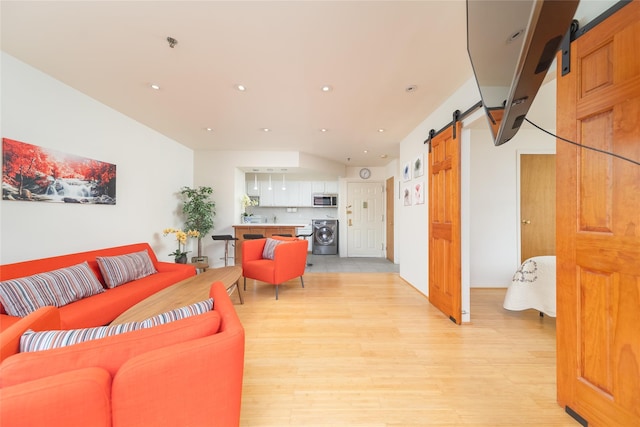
(57, 288)
(46, 340)
(179, 313)
(269, 250)
(118, 270)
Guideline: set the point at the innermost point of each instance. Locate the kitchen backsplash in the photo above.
(286, 216)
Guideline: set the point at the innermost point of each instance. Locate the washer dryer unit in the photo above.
(325, 236)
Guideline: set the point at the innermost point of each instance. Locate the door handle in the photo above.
(350, 222)
(526, 221)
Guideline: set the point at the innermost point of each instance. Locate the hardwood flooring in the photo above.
(367, 349)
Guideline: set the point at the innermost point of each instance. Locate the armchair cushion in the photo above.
(57, 288)
(70, 399)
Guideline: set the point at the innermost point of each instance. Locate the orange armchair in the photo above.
(289, 261)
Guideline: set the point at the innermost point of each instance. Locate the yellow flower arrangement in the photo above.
(181, 238)
(246, 202)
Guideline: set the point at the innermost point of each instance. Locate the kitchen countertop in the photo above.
(271, 224)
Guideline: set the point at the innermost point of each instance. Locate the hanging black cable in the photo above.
(582, 145)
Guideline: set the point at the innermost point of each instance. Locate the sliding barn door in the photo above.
(444, 224)
(598, 225)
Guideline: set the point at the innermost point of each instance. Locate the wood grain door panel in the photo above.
(537, 205)
(444, 225)
(598, 225)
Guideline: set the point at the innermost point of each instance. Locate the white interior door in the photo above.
(365, 219)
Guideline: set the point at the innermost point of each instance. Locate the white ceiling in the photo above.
(369, 52)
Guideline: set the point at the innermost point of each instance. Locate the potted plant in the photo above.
(199, 210)
(246, 202)
(180, 254)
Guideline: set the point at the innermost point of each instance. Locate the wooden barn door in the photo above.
(598, 225)
(444, 224)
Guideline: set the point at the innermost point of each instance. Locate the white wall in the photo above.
(151, 168)
(489, 195)
(412, 222)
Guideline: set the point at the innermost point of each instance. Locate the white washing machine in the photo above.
(325, 236)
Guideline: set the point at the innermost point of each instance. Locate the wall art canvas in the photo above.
(406, 195)
(406, 172)
(418, 166)
(38, 174)
(418, 193)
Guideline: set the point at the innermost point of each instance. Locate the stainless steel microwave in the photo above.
(325, 200)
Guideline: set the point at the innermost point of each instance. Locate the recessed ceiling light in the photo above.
(366, 151)
(266, 130)
(241, 88)
(155, 86)
(326, 88)
(380, 130)
(323, 130)
(383, 156)
(411, 88)
(208, 129)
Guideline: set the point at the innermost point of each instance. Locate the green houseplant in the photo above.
(199, 211)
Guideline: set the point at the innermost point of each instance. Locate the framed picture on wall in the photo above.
(406, 172)
(406, 195)
(37, 174)
(418, 166)
(418, 192)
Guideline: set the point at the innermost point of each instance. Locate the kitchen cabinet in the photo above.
(331, 187)
(266, 194)
(305, 194)
(296, 194)
(252, 189)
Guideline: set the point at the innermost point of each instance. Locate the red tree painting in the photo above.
(35, 173)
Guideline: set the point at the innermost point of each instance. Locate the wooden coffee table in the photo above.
(185, 292)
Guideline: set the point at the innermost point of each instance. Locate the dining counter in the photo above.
(265, 229)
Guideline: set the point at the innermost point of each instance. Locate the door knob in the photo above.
(526, 221)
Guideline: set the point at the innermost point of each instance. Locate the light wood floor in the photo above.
(360, 349)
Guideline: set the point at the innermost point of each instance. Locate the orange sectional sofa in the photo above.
(184, 373)
(102, 308)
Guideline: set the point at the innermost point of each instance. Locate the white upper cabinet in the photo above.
(252, 189)
(305, 193)
(295, 194)
(331, 187)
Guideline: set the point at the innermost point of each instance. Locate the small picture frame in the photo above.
(406, 172)
(418, 166)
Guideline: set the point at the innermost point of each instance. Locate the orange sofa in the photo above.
(185, 373)
(100, 309)
(289, 261)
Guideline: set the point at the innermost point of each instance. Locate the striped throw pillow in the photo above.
(118, 270)
(269, 250)
(47, 340)
(57, 288)
(179, 313)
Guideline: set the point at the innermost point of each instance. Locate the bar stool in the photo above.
(227, 238)
(304, 236)
(252, 236)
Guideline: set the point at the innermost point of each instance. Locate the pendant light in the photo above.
(255, 181)
(284, 186)
(269, 183)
